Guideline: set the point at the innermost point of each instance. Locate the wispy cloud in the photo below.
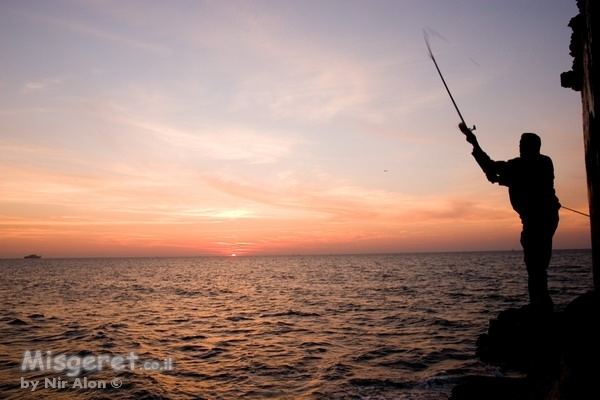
(221, 142)
(34, 86)
(105, 34)
(335, 201)
(280, 72)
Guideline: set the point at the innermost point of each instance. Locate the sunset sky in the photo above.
(167, 128)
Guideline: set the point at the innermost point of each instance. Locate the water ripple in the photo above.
(311, 327)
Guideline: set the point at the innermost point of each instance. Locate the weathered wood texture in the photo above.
(584, 78)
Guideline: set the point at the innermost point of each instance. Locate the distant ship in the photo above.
(33, 256)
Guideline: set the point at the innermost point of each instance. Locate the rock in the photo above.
(17, 321)
(559, 352)
(489, 388)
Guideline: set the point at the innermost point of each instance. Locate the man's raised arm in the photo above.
(485, 162)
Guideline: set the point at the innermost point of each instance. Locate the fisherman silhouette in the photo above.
(530, 182)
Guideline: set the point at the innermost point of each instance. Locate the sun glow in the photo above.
(324, 146)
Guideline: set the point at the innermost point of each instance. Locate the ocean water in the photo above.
(399, 326)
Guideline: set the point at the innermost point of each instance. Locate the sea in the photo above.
(385, 326)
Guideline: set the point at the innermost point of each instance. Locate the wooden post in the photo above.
(584, 78)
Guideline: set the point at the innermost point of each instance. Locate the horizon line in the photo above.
(295, 254)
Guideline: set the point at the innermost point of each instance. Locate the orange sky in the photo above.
(251, 127)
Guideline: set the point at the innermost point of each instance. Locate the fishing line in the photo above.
(575, 211)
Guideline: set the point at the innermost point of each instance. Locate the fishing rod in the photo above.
(426, 37)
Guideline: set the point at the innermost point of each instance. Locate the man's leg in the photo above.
(536, 240)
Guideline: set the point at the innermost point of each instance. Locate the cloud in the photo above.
(34, 86)
(325, 199)
(105, 35)
(221, 142)
(277, 70)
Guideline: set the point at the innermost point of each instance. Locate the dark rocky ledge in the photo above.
(558, 352)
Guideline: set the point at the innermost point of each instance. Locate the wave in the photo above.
(368, 327)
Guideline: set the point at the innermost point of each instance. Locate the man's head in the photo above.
(529, 145)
